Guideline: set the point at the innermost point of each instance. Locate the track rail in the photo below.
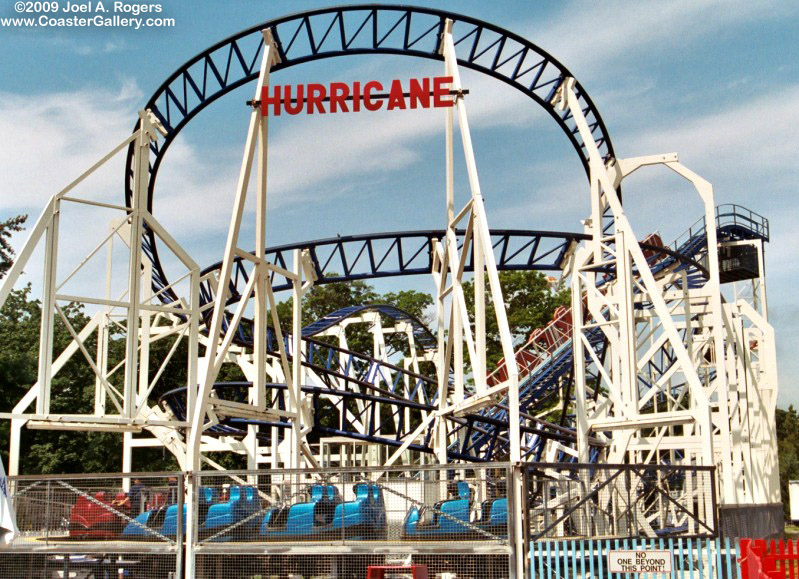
(382, 255)
(358, 30)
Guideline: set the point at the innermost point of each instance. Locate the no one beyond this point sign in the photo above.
(639, 561)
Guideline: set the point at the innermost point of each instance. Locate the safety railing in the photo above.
(573, 501)
(732, 214)
(96, 525)
(728, 215)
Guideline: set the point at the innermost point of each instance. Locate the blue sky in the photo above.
(715, 81)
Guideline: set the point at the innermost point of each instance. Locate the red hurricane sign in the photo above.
(341, 97)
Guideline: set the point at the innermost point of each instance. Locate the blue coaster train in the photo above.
(325, 516)
(452, 517)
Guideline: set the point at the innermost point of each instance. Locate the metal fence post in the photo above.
(179, 531)
(719, 530)
(629, 516)
(516, 520)
(48, 501)
(189, 563)
(525, 502)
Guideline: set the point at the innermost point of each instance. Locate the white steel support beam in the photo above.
(688, 324)
(295, 391)
(484, 266)
(48, 310)
(580, 390)
(141, 172)
(215, 351)
(103, 331)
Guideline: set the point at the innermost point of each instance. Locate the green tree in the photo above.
(529, 304)
(787, 450)
(415, 303)
(7, 227)
(72, 388)
(46, 451)
(418, 305)
(19, 342)
(327, 298)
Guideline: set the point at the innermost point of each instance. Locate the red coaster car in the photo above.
(98, 518)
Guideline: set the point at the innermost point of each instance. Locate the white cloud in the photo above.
(589, 37)
(747, 142)
(50, 139)
(82, 48)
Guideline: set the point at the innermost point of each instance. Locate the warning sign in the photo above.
(639, 561)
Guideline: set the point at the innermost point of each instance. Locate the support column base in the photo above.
(765, 521)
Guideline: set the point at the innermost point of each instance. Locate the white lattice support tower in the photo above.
(219, 343)
(612, 311)
(753, 381)
(689, 411)
(449, 262)
(129, 411)
(220, 346)
(256, 365)
(448, 267)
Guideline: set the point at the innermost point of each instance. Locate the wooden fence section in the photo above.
(762, 559)
(591, 559)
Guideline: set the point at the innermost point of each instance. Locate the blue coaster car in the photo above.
(445, 518)
(494, 517)
(327, 517)
(452, 518)
(243, 504)
(164, 520)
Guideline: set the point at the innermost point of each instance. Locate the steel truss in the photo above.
(358, 30)
(667, 390)
(380, 255)
(651, 364)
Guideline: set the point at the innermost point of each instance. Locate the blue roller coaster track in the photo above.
(409, 31)
(381, 255)
(356, 30)
(481, 435)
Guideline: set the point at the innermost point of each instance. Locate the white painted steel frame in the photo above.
(718, 396)
(134, 306)
(642, 317)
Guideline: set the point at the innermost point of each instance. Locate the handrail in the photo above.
(727, 214)
(543, 342)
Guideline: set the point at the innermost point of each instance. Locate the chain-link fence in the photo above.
(354, 506)
(350, 566)
(340, 522)
(454, 521)
(20, 564)
(571, 501)
(96, 526)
